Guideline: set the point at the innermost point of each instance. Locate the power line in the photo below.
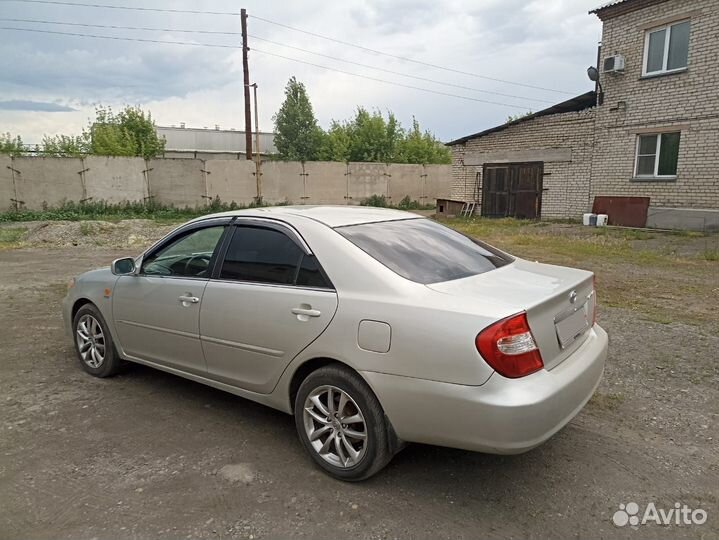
(391, 72)
(116, 27)
(216, 45)
(295, 29)
(416, 77)
(128, 8)
(394, 83)
(120, 38)
(406, 59)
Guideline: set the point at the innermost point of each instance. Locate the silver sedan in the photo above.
(373, 327)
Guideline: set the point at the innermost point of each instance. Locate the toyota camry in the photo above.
(373, 327)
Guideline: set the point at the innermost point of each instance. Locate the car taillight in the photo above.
(509, 347)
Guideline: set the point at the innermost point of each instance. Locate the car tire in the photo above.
(350, 451)
(93, 343)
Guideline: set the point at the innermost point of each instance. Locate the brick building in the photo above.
(647, 150)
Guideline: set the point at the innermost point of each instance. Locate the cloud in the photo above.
(535, 42)
(26, 105)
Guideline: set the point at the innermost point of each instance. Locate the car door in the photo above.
(157, 310)
(270, 300)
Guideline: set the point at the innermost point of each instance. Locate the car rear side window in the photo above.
(424, 251)
(261, 255)
(264, 255)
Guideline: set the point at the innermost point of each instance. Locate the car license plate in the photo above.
(572, 326)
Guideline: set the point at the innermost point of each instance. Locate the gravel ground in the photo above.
(149, 455)
(136, 233)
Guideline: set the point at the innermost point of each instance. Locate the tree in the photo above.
(64, 145)
(423, 148)
(297, 135)
(10, 145)
(373, 138)
(131, 132)
(368, 136)
(336, 142)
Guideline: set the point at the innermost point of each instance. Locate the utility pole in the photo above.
(246, 77)
(258, 163)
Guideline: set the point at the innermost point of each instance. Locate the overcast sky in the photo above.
(50, 83)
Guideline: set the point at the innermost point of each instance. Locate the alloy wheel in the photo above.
(335, 426)
(90, 341)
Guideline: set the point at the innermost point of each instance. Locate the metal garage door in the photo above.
(512, 190)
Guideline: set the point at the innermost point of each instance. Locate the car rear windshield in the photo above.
(424, 251)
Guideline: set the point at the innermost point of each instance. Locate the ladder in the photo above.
(468, 209)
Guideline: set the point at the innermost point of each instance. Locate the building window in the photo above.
(657, 155)
(666, 49)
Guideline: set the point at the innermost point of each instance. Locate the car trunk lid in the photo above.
(559, 302)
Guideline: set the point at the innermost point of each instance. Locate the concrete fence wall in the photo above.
(37, 182)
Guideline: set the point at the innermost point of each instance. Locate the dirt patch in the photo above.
(138, 233)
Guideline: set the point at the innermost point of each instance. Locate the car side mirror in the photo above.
(123, 267)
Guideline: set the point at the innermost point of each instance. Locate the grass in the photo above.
(537, 239)
(162, 214)
(103, 211)
(406, 203)
(635, 270)
(11, 237)
(86, 229)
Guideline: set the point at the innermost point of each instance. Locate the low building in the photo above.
(536, 166)
(647, 151)
(203, 143)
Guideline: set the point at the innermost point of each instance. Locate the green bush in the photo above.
(375, 200)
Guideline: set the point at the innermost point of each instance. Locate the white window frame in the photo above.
(658, 149)
(667, 38)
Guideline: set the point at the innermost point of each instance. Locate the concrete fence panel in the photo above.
(325, 182)
(180, 182)
(282, 181)
(193, 182)
(115, 179)
(438, 182)
(7, 188)
(231, 180)
(367, 179)
(405, 180)
(48, 181)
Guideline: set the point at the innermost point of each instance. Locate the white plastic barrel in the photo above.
(587, 220)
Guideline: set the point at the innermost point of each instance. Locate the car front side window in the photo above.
(187, 256)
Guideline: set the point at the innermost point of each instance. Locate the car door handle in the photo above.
(306, 312)
(188, 299)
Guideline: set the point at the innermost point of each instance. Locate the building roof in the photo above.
(332, 216)
(576, 104)
(615, 8)
(608, 5)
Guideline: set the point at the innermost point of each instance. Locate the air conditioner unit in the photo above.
(614, 64)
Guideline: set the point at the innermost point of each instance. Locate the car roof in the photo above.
(332, 216)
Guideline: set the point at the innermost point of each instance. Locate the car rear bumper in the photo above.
(502, 416)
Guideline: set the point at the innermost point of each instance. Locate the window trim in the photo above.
(655, 175)
(176, 235)
(282, 228)
(665, 57)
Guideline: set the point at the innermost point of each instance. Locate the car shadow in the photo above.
(416, 463)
